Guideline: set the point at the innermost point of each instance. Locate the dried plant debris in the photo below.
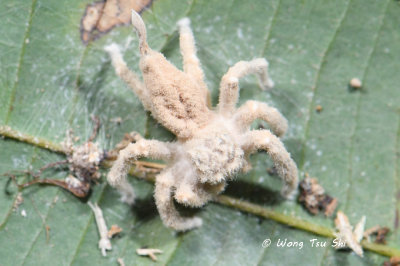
(100, 17)
(75, 186)
(346, 234)
(149, 252)
(121, 262)
(381, 235)
(379, 232)
(114, 230)
(394, 261)
(104, 242)
(18, 201)
(83, 162)
(212, 144)
(314, 199)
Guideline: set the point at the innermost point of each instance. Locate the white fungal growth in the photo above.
(149, 252)
(212, 144)
(346, 234)
(104, 242)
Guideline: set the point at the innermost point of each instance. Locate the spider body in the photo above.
(212, 144)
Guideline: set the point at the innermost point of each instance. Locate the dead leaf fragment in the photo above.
(380, 233)
(115, 229)
(18, 201)
(394, 261)
(100, 17)
(149, 252)
(314, 198)
(121, 262)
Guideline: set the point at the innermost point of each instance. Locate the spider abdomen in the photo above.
(216, 157)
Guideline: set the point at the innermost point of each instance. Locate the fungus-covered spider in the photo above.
(212, 144)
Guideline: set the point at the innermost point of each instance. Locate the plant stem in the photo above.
(238, 204)
(8, 132)
(298, 223)
(274, 215)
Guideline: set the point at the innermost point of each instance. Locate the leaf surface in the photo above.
(50, 82)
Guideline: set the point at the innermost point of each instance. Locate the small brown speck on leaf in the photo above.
(47, 234)
(318, 108)
(355, 83)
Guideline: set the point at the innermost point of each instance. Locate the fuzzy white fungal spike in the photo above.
(184, 22)
(138, 23)
(115, 54)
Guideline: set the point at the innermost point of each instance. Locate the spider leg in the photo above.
(192, 193)
(177, 100)
(143, 148)
(127, 75)
(165, 204)
(191, 63)
(198, 194)
(253, 110)
(286, 167)
(229, 87)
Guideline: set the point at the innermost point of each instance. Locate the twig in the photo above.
(8, 132)
(81, 190)
(274, 215)
(222, 199)
(104, 242)
(151, 252)
(96, 127)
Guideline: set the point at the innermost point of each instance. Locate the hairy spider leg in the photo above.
(165, 183)
(143, 148)
(192, 193)
(253, 110)
(229, 87)
(130, 77)
(191, 63)
(263, 139)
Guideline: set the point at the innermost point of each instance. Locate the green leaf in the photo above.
(50, 82)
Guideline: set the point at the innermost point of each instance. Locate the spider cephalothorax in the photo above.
(212, 144)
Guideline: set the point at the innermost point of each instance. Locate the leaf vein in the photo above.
(20, 60)
(357, 114)
(315, 86)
